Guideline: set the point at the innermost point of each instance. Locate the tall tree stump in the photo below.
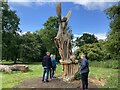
(64, 46)
(69, 69)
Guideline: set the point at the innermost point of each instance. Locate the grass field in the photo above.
(9, 80)
(110, 75)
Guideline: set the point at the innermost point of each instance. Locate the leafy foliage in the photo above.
(47, 37)
(92, 52)
(10, 37)
(113, 42)
(32, 48)
(52, 23)
(28, 47)
(86, 39)
(49, 32)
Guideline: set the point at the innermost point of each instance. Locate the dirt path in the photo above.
(54, 83)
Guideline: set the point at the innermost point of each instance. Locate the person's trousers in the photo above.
(50, 73)
(84, 77)
(46, 71)
(53, 71)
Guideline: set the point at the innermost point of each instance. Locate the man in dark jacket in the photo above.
(47, 64)
(84, 69)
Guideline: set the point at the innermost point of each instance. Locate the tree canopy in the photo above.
(113, 38)
(86, 38)
(10, 37)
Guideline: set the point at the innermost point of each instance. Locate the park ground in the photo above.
(98, 78)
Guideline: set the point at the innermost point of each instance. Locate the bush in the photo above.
(78, 75)
(105, 64)
(92, 51)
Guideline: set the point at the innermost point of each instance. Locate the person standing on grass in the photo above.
(84, 70)
(51, 56)
(46, 63)
(53, 60)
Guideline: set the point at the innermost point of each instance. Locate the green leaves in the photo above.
(86, 39)
(92, 52)
(10, 37)
(47, 37)
(32, 48)
(113, 38)
(52, 23)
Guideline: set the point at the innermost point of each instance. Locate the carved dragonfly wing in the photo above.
(58, 10)
(68, 15)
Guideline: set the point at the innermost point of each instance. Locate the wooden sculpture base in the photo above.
(69, 69)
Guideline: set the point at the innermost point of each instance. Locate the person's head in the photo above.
(48, 53)
(54, 56)
(82, 56)
(51, 55)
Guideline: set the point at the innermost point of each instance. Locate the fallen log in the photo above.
(10, 68)
(5, 68)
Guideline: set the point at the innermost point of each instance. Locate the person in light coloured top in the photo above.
(53, 60)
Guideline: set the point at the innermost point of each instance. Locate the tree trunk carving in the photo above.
(63, 44)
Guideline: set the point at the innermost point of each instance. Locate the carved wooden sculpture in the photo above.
(63, 43)
(63, 38)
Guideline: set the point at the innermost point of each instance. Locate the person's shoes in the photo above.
(42, 80)
(47, 81)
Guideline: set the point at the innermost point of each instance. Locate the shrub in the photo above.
(105, 64)
(78, 75)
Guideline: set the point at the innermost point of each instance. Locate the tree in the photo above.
(48, 33)
(52, 23)
(32, 48)
(113, 38)
(86, 39)
(47, 37)
(92, 52)
(10, 37)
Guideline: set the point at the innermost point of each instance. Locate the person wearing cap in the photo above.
(84, 70)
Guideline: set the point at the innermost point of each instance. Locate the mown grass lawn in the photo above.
(36, 70)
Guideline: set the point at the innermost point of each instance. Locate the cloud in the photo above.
(102, 36)
(74, 48)
(28, 3)
(23, 33)
(81, 1)
(95, 5)
(77, 35)
(88, 4)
